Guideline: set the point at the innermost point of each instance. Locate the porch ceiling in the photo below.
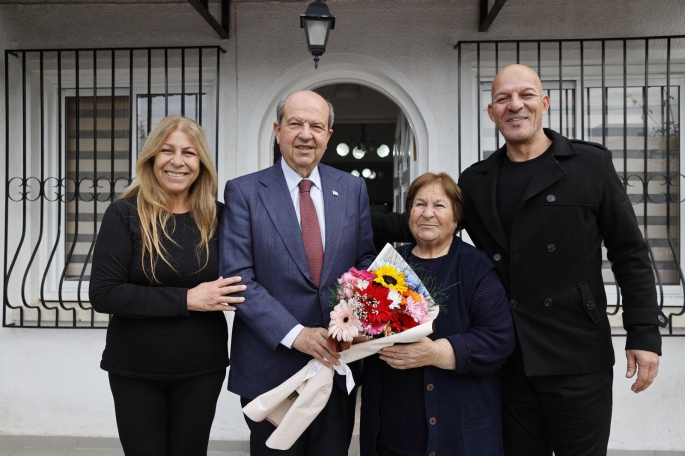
(123, 2)
(489, 9)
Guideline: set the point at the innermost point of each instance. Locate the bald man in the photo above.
(540, 207)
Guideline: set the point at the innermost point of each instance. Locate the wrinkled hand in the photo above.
(647, 365)
(424, 352)
(213, 296)
(315, 342)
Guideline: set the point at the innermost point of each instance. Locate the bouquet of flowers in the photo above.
(384, 300)
(387, 304)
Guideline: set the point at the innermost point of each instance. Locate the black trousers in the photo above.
(569, 415)
(329, 434)
(165, 418)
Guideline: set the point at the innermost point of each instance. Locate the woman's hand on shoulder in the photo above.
(214, 296)
(424, 352)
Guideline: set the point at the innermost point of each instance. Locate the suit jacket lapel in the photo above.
(334, 212)
(276, 199)
(484, 197)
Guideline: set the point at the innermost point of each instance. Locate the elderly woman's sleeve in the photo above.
(484, 348)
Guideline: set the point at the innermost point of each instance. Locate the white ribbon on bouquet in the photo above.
(295, 403)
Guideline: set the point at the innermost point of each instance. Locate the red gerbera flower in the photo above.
(376, 304)
(401, 322)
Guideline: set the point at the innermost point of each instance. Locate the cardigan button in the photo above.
(548, 302)
(513, 303)
(551, 198)
(497, 257)
(590, 305)
(432, 421)
(430, 387)
(661, 319)
(551, 248)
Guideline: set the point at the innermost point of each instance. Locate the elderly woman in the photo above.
(155, 270)
(441, 395)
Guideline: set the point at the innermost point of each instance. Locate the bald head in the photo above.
(517, 107)
(280, 107)
(518, 73)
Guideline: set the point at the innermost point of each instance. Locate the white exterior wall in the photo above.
(50, 382)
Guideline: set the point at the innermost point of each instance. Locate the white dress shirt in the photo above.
(292, 180)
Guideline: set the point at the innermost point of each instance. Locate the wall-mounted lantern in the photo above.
(317, 22)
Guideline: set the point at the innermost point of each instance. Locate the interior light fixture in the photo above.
(342, 149)
(362, 145)
(383, 151)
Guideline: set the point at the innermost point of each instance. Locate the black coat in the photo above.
(551, 265)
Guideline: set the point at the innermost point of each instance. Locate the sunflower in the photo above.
(390, 277)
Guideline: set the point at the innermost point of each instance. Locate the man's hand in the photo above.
(646, 364)
(315, 342)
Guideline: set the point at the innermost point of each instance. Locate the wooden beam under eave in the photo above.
(202, 8)
(488, 17)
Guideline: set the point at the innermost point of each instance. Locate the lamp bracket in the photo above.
(488, 17)
(202, 7)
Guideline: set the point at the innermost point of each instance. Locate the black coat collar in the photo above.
(484, 194)
(561, 147)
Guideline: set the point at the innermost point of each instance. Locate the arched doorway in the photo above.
(365, 71)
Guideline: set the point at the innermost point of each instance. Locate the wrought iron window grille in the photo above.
(75, 120)
(624, 93)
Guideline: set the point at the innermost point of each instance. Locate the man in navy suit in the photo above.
(283, 322)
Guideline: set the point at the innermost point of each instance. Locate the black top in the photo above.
(404, 429)
(511, 185)
(151, 333)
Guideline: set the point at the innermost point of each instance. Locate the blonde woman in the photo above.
(155, 270)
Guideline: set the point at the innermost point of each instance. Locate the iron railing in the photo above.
(623, 93)
(75, 120)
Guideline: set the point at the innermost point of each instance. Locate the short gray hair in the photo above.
(280, 108)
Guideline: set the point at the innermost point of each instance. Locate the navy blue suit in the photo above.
(261, 241)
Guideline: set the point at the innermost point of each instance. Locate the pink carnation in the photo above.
(373, 330)
(417, 310)
(364, 275)
(348, 292)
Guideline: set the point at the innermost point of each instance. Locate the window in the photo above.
(76, 120)
(623, 93)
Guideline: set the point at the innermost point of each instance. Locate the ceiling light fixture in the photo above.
(360, 147)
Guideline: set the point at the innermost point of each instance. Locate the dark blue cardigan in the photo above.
(465, 402)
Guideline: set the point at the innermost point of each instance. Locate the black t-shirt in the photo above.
(511, 185)
(151, 333)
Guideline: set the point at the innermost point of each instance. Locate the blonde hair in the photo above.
(155, 203)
